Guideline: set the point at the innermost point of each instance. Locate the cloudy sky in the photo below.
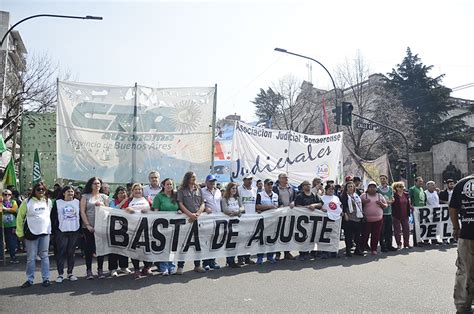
(195, 43)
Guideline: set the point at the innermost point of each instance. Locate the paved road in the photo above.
(418, 280)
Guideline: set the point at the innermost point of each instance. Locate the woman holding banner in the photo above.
(231, 206)
(400, 214)
(332, 206)
(352, 224)
(165, 201)
(34, 225)
(138, 203)
(373, 204)
(91, 198)
(66, 223)
(118, 201)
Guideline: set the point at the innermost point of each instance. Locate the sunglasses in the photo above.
(7, 194)
(39, 190)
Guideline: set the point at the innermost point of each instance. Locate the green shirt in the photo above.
(417, 196)
(388, 194)
(164, 203)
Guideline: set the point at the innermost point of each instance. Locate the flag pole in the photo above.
(214, 114)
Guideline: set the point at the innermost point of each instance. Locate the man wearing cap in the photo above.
(309, 200)
(386, 233)
(461, 207)
(212, 200)
(248, 196)
(286, 197)
(266, 200)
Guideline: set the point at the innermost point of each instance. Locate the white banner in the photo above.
(97, 133)
(432, 223)
(158, 236)
(265, 153)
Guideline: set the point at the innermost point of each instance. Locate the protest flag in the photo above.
(36, 169)
(325, 122)
(9, 178)
(3, 147)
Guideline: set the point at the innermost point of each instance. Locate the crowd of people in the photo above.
(65, 217)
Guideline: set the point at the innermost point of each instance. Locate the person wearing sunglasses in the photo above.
(10, 208)
(34, 225)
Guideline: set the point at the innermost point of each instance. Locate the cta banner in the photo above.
(432, 223)
(118, 132)
(158, 236)
(265, 153)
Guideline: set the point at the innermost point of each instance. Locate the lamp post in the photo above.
(305, 57)
(87, 17)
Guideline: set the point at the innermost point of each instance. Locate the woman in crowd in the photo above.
(352, 224)
(373, 204)
(191, 203)
(138, 203)
(10, 208)
(118, 201)
(91, 198)
(231, 206)
(34, 225)
(332, 206)
(65, 220)
(400, 214)
(165, 201)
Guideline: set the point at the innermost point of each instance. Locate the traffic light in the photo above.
(413, 169)
(401, 167)
(346, 115)
(337, 114)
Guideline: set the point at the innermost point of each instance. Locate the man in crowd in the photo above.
(248, 196)
(286, 197)
(386, 234)
(259, 186)
(417, 198)
(150, 190)
(212, 200)
(266, 200)
(445, 195)
(461, 207)
(432, 198)
(317, 187)
(359, 188)
(311, 201)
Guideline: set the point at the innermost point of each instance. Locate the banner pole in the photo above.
(134, 137)
(214, 113)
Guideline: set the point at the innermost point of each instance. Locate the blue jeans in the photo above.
(37, 247)
(169, 266)
(11, 241)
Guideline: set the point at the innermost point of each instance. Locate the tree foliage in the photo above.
(427, 99)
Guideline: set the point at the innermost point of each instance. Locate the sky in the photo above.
(231, 43)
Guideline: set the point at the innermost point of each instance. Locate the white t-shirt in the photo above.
(148, 191)
(332, 205)
(432, 198)
(38, 213)
(248, 198)
(68, 215)
(140, 203)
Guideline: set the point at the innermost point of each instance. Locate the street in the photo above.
(416, 280)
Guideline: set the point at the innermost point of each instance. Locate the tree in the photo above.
(288, 106)
(427, 99)
(31, 90)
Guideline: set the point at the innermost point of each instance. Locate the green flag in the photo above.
(36, 169)
(9, 178)
(3, 147)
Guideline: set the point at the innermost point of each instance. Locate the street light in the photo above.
(305, 57)
(87, 17)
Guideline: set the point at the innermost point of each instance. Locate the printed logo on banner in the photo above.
(322, 171)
